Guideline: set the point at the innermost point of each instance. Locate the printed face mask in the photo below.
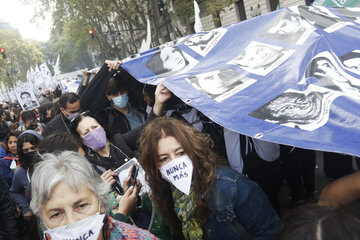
(121, 101)
(179, 173)
(96, 139)
(87, 228)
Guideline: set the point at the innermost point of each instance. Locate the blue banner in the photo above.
(290, 76)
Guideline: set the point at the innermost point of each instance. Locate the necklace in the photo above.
(65, 124)
(126, 156)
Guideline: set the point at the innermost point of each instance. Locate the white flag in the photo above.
(197, 26)
(145, 45)
(57, 66)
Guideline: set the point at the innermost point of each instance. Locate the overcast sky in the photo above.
(19, 16)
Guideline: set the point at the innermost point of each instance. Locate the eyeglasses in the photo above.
(86, 113)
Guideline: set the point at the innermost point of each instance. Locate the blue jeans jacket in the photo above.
(240, 209)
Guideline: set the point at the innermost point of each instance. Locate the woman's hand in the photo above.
(162, 94)
(113, 64)
(127, 183)
(108, 177)
(128, 201)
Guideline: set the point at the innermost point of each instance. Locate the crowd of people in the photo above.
(61, 163)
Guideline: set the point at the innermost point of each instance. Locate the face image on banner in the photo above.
(27, 99)
(203, 43)
(220, 84)
(288, 27)
(260, 58)
(307, 110)
(351, 61)
(321, 18)
(324, 68)
(350, 13)
(169, 61)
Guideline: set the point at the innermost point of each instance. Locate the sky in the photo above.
(19, 16)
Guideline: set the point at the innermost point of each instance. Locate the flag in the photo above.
(291, 76)
(197, 25)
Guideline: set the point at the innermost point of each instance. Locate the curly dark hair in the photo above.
(198, 146)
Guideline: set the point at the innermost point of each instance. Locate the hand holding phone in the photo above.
(133, 176)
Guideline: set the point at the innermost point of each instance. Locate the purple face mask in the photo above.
(96, 139)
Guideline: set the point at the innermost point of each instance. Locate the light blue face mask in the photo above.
(121, 101)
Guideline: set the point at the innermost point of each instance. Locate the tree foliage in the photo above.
(119, 25)
(20, 56)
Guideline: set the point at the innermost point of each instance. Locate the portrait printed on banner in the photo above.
(220, 84)
(203, 43)
(351, 61)
(325, 69)
(288, 27)
(260, 58)
(321, 17)
(169, 61)
(350, 13)
(27, 100)
(307, 110)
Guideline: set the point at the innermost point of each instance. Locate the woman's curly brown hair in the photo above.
(198, 146)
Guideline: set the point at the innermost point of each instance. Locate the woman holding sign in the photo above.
(197, 196)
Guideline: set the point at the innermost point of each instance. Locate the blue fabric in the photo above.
(289, 85)
(240, 209)
(20, 190)
(133, 119)
(5, 170)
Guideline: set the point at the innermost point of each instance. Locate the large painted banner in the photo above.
(290, 76)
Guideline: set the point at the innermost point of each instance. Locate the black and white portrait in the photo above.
(27, 100)
(260, 58)
(170, 60)
(220, 84)
(324, 68)
(288, 27)
(350, 13)
(203, 43)
(351, 61)
(320, 17)
(307, 110)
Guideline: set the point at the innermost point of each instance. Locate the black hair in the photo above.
(59, 142)
(4, 130)
(28, 116)
(23, 93)
(30, 138)
(150, 91)
(7, 116)
(12, 133)
(68, 98)
(43, 111)
(315, 222)
(75, 123)
(117, 84)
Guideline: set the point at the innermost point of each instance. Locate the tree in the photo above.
(215, 7)
(20, 56)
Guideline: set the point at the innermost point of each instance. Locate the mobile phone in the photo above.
(133, 176)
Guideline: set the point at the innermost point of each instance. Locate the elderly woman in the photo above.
(71, 200)
(197, 196)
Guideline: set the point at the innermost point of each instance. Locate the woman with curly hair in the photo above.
(197, 196)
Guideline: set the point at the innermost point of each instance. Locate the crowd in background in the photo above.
(58, 168)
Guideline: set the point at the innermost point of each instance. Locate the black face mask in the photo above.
(29, 156)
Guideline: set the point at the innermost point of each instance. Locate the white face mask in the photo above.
(87, 228)
(179, 173)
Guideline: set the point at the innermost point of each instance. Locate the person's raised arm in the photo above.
(341, 192)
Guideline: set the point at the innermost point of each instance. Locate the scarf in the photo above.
(185, 210)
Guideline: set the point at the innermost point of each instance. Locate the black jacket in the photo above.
(126, 142)
(58, 124)
(10, 227)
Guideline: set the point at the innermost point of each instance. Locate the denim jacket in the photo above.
(240, 209)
